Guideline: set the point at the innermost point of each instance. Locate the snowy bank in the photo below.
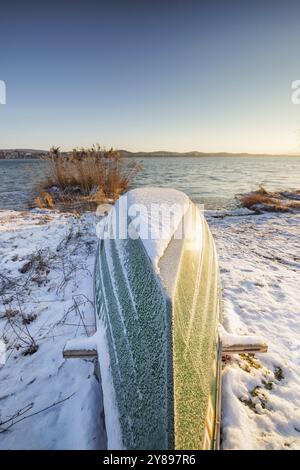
(46, 295)
(260, 267)
(46, 298)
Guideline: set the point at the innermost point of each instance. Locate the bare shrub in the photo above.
(263, 200)
(93, 173)
(294, 205)
(254, 198)
(44, 201)
(261, 190)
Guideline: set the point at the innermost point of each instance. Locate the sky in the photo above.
(150, 75)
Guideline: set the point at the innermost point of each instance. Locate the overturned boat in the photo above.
(158, 300)
(158, 306)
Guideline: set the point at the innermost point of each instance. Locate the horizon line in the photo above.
(223, 152)
(219, 152)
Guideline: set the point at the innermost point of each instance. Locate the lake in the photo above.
(213, 181)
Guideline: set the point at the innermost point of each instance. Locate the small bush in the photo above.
(262, 200)
(249, 200)
(44, 201)
(93, 173)
(262, 191)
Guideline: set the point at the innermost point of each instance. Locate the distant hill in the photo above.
(9, 154)
(160, 154)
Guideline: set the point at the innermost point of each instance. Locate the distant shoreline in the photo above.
(29, 154)
(203, 155)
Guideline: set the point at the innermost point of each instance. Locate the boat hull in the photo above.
(161, 358)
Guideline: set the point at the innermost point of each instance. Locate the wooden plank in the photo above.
(79, 353)
(244, 349)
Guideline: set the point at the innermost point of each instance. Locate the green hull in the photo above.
(162, 342)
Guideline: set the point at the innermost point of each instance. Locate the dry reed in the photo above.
(94, 174)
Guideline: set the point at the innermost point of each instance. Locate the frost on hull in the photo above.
(160, 321)
(136, 321)
(195, 316)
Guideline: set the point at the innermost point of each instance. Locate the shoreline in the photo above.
(162, 154)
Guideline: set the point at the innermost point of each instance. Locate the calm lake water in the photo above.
(213, 181)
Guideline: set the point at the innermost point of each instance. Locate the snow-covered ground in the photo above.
(260, 271)
(46, 294)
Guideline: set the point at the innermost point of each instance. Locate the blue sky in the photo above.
(150, 75)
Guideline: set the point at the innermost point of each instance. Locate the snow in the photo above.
(155, 214)
(259, 257)
(229, 340)
(112, 420)
(86, 343)
(65, 394)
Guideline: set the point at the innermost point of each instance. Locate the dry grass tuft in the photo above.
(44, 201)
(294, 205)
(262, 200)
(93, 174)
(249, 200)
(262, 191)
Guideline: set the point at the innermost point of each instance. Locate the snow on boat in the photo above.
(158, 339)
(157, 302)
